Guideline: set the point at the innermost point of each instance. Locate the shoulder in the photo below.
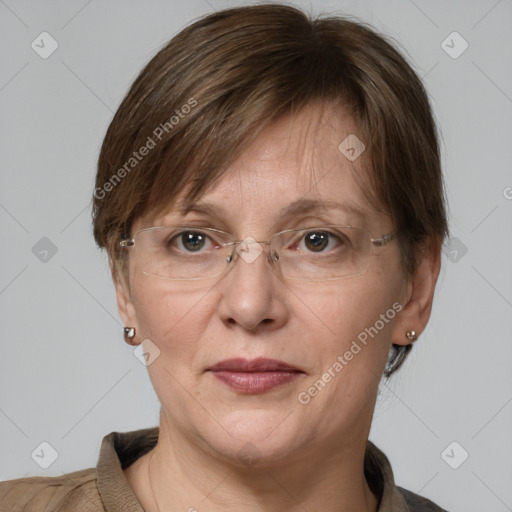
(68, 492)
(379, 475)
(417, 503)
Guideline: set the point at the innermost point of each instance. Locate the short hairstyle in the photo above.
(217, 84)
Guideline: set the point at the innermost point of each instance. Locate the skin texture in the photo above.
(308, 454)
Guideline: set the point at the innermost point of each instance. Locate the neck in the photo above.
(181, 477)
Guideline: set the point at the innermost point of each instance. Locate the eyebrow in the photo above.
(300, 206)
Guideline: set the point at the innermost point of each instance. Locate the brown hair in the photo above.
(212, 89)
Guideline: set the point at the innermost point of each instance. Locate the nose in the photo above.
(253, 297)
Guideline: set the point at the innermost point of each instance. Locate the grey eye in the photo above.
(193, 240)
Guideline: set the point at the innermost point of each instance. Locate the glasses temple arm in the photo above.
(379, 242)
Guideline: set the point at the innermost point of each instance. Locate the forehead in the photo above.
(295, 166)
(300, 152)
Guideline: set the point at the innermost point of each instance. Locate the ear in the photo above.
(125, 305)
(420, 292)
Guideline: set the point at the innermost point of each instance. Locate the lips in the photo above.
(255, 375)
(260, 364)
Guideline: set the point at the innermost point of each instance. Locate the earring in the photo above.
(411, 335)
(129, 335)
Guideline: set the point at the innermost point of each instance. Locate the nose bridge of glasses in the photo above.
(248, 249)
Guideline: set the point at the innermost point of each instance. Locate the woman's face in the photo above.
(336, 335)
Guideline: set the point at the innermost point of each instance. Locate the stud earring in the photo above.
(129, 335)
(411, 335)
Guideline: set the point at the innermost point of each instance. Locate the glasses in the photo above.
(320, 253)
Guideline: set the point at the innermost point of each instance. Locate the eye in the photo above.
(323, 241)
(191, 241)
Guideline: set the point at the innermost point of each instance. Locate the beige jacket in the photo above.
(105, 488)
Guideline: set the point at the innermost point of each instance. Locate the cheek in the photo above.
(173, 317)
(353, 322)
(356, 320)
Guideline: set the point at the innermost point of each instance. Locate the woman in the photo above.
(270, 197)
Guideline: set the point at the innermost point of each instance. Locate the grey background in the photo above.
(66, 376)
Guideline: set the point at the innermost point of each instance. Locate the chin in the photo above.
(255, 437)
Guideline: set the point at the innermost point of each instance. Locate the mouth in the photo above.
(255, 375)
